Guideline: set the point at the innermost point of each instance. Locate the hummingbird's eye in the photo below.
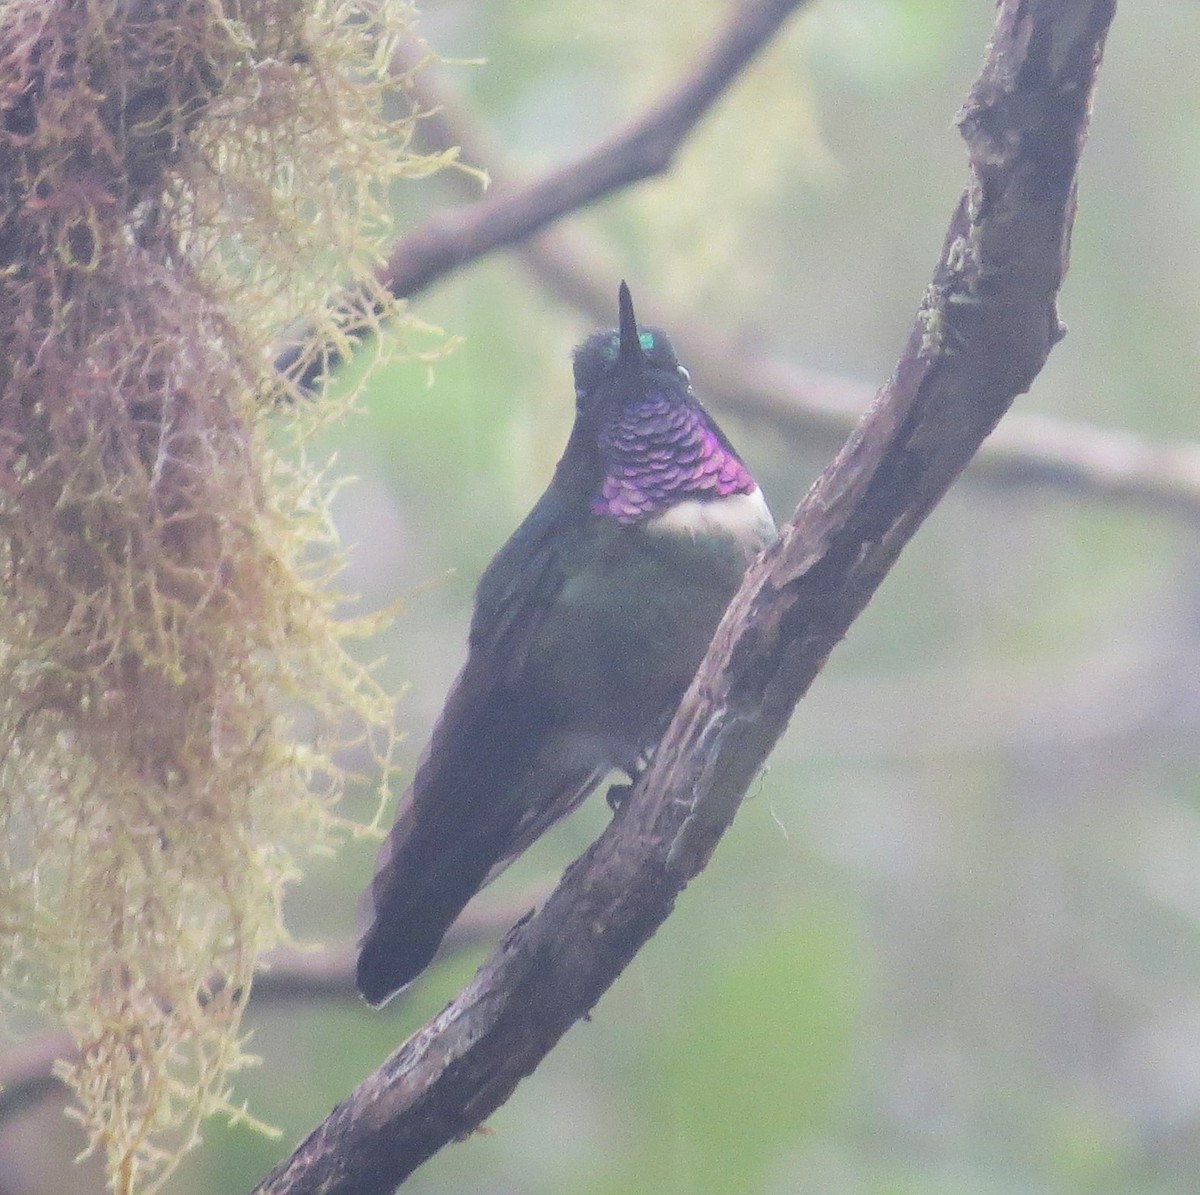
(683, 373)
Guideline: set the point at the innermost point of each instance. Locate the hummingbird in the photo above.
(588, 626)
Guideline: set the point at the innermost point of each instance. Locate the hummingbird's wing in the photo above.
(538, 818)
(496, 773)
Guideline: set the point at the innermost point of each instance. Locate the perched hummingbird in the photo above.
(588, 626)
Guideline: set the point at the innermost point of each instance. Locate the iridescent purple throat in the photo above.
(661, 452)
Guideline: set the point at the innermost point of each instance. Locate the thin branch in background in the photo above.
(642, 150)
(27, 1071)
(983, 331)
(453, 239)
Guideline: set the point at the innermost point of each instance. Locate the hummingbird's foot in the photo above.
(617, 795)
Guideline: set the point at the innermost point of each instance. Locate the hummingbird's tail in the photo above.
(493, 777)
(419, 890)
(429, 869)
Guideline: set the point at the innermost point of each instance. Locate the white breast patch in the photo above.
(742, 517)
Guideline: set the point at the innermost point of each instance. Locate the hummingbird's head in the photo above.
(614, 369)
(646, 439)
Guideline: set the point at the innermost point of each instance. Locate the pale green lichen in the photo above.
(177, 181)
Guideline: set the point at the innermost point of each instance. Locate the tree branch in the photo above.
(984, 329)
(641, 151)
(453, 239)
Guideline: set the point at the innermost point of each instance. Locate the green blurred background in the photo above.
(951, 945)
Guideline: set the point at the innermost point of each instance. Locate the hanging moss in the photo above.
(177, 181)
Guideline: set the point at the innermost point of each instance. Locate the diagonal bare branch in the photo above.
(644, 149)
(983, 331)
(455, 238)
